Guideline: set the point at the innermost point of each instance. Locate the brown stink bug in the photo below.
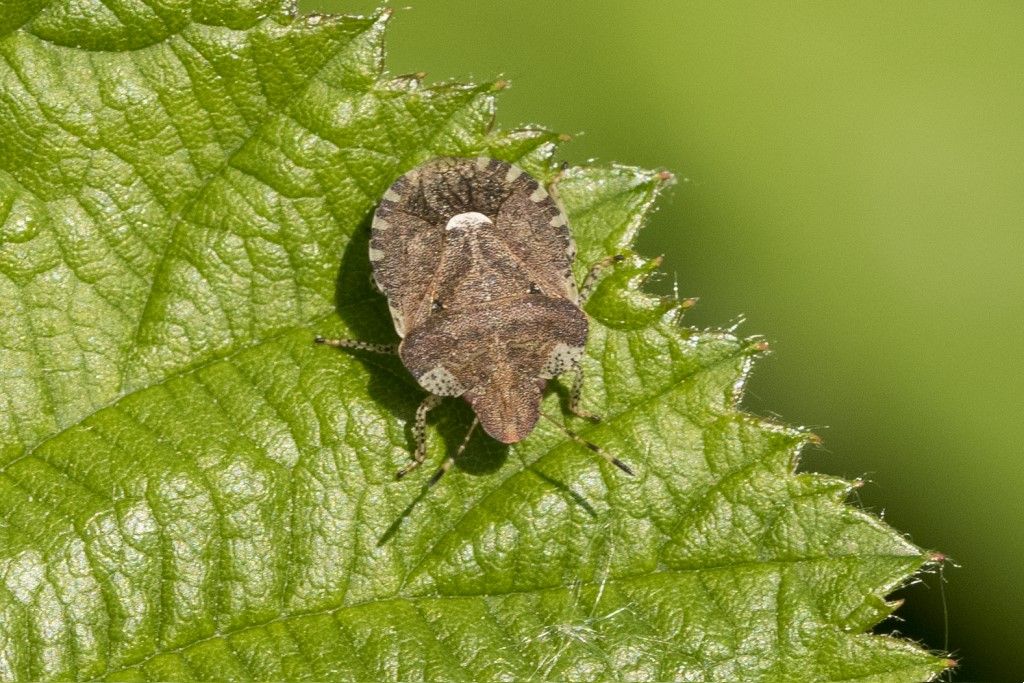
(474, 257)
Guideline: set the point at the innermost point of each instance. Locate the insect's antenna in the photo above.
(590, 444)
(450, 460)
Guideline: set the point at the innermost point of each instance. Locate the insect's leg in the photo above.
(356, 344)
(450, 460)
(576, 394)
(590, 445)
(419, 433)
(553, 185)
(590, 281)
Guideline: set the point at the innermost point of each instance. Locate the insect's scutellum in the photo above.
(475, 259)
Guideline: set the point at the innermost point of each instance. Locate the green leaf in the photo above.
(192, 490)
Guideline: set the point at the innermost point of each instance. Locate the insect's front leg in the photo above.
(419, 432)
(390, 349)
(576, 395)
(450, 460)
(419, 429)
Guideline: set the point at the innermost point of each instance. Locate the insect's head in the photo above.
(508, 410)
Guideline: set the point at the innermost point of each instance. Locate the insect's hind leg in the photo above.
(589, 283)
(419, 432)
(390, 349)
(587, 288)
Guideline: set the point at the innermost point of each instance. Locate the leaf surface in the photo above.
(191, 490)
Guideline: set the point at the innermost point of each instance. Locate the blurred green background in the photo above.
(852, 184)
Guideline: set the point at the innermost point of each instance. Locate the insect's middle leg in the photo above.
(390, 349)
(419, 432)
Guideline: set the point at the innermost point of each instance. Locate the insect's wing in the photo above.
(409, 230)
(407, 236)
(404, 247)
(535, 229)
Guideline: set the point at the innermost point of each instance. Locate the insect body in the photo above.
(474, 257)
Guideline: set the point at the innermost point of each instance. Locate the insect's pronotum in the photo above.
(475, 259)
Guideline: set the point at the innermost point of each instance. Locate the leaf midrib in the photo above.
(504, 482)
(630, 408)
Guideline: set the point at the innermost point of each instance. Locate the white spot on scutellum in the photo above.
(392, 196)
(513, 173)
(468, 221)
(559, 220)
(482, 163)
(380, 224)
(440, 382)
(376, 254)
(563, 357)
(539, 195)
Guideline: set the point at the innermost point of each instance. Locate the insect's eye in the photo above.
(534, 289)
(436, 305)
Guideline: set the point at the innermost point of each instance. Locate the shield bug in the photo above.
(474, 257)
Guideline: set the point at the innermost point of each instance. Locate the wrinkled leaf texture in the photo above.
(189, 489)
